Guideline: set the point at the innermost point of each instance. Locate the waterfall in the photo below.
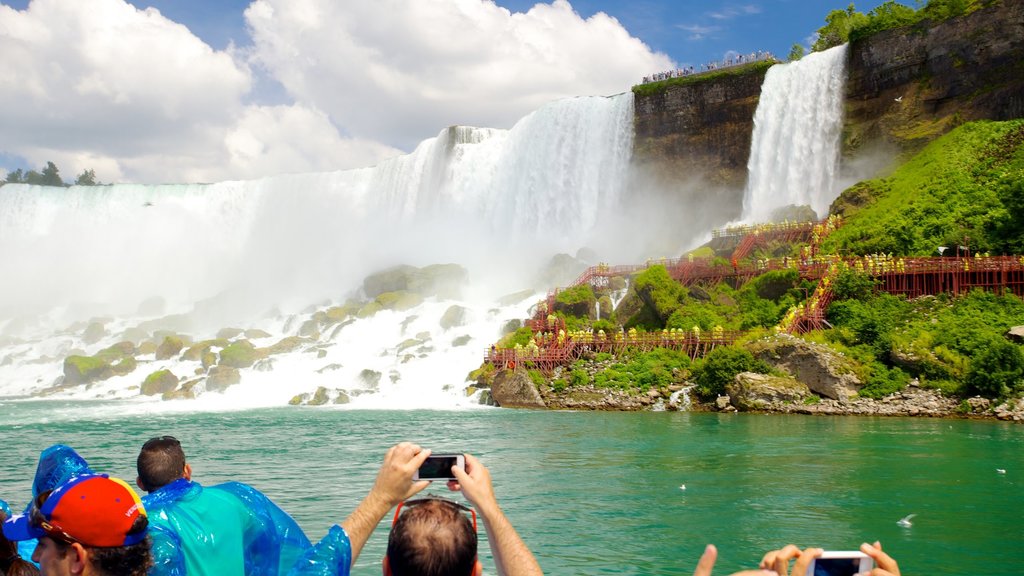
(264, 254)
(794, 151)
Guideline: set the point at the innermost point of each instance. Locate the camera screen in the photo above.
(437, 467)
(836, 567)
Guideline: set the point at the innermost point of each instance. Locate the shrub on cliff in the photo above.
(661, 294)
(998, 371)
(719, 368)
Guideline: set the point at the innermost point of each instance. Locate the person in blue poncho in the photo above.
(223, 530)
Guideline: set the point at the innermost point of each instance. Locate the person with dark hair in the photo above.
(92, 525)
(229, 528)
(430, 535)
(11, 562)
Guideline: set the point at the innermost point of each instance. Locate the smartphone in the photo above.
(833, 563)
(439, 467)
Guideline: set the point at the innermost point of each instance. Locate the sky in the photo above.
(155, 91)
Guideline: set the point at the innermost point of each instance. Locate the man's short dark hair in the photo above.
(432, 538)
(134, 560)
(160, 462)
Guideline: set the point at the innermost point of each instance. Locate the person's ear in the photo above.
(138, 482)
(79, 558)
(478, 568)
(387, 567)
(187, 475)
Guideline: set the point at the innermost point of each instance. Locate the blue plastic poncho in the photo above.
(225, 529)
(57, 465)
(331, 556)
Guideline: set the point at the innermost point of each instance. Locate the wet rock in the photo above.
(454, 316)
(229, 333)
(221, 378)
(514, 389)
(94, 332)
(254, 333)
(751, 391)
(240, 354)
(159, 382)
(169, 348)
(370, 378)
(461, 340)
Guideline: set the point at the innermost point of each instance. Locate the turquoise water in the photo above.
(599, 493)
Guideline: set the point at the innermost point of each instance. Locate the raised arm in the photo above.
(511, 556)
(393, 485)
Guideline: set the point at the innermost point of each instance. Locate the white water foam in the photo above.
(266, 253)
(794, 152)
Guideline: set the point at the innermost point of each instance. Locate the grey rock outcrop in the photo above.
(514, 389)
(752, 391)
(823, 370)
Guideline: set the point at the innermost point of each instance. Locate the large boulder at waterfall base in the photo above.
(515, 389)
(823, 370)
(222, 377)
(752, 391)
(400, 300)
(441, 280)
(169, 348)
(159, 382)
(94, 332)
(454, 316)
(195, 352)
(286, 345)
(86, 369)
(240, 354)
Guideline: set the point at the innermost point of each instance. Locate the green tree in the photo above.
(16, 177)
(889, 15)
(51, 175)
(86, 178)
(838, 25)
(997, 371)
(796, 52)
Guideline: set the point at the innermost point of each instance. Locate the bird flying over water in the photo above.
(905, 521)
(900, 99)
(1000, 471)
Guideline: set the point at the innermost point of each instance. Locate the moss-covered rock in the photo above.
(94, 332)
(159, 382)
(369, 309)
(229, 333)
(169, 348)
(240, 354)
(221, 378)
(751, 391)
(288, 344)
(185, 392)
(342, 397)
(254, 333)
(117, 351)
(320, 397)
(310, 329)
(370, 378)
(85, 369)
(454, 316)
(195, 352)
(400, 300)
(208, 359)
(125, 366)
(515, 297)
(461, 340)
(147, 347)
(441, 280)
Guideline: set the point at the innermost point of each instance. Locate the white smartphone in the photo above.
(439, 467)
(840, 563)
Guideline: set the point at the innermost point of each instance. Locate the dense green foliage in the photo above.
(651, 88)
(964, 184)
(842, 26)
(957, 345)
(655, 369)
(48, 176)
(576, 295)
(719, 368)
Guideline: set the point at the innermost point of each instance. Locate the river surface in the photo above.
(600, 493)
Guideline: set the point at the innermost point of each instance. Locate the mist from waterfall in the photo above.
(795, 148)
(261, 253)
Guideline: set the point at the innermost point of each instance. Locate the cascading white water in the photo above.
(794, 152)
(258, 254)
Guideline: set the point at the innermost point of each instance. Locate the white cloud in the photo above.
(137, 97)
(697, 31)
(399, 70)
(732, 11)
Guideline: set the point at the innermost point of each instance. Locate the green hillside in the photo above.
(968, 183)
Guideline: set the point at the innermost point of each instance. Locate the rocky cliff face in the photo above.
(698, 133)
(905, 87)
(910, 85)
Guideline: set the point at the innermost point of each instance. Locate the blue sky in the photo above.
(215, 89)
